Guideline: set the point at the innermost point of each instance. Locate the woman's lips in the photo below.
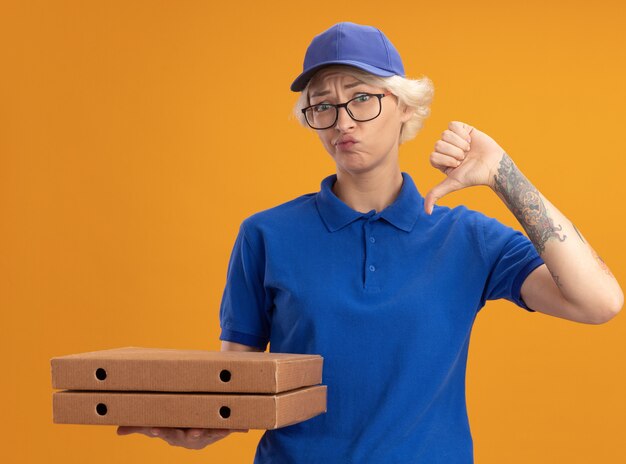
(345, 146)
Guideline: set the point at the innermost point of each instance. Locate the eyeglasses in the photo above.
(364, 107)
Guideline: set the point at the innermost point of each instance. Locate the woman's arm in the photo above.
(574, 283)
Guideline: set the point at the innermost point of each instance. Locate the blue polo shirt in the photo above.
(388, 299)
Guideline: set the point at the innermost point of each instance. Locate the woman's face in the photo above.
(376, 141)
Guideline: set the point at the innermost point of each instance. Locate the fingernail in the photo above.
(195, 434)
(154, 432)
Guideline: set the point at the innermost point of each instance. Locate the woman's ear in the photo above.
(407, 112)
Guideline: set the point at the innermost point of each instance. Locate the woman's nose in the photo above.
(344, 121)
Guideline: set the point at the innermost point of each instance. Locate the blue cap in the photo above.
(364, 47)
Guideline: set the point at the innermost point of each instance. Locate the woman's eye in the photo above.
(320, 108)
(363, 98)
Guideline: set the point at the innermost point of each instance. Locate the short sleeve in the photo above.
(244, 308)
(510, 257)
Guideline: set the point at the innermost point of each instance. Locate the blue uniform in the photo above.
(388, 299)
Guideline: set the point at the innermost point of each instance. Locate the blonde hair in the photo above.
(414, 93)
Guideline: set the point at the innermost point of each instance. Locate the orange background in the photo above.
(135, 136)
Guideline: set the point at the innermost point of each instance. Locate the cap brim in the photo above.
(301, 81)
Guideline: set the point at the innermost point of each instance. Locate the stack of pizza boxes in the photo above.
(187, 388)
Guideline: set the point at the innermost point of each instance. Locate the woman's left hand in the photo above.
(467, 156)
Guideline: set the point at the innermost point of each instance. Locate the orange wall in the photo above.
(135, 136)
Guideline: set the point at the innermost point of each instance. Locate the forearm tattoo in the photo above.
(524, 201)
(595, 255)
(581, 237)
(601, 263)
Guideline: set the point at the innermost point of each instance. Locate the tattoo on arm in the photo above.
(595, 255)
(581, 237)
(524, 201)
(601, 262)
(556, 279)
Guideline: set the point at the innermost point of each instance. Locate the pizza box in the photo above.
(198, 410)
(172, 370)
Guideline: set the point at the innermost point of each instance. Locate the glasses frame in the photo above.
(345, 105)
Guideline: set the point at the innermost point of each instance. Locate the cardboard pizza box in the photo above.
(171, 370)
(202, 410)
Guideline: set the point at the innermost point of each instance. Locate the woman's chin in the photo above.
(351, 159)
(355, 168)
(358, 163)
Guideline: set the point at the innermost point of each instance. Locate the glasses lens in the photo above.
(364, 107)
(321, 116)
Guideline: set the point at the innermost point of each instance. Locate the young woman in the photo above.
(380, 281)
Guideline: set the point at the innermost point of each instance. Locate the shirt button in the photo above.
(372, 239)
(372, 268)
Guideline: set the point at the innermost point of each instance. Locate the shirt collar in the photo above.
(402, 213)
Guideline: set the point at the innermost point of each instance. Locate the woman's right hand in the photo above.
(191, 438)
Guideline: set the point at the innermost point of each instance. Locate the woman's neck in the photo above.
(374, 190)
